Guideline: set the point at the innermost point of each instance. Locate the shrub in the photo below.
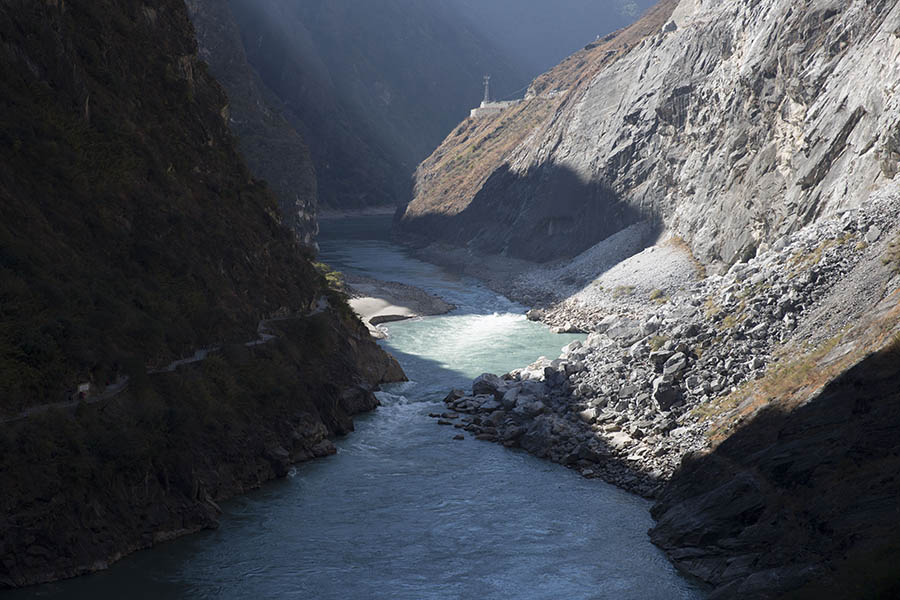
(658, 341)
(622, 291)
(658, 296)
(892, 258)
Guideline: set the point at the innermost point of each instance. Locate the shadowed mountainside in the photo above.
(132, 234)
(371, 86)
(273, 149)
(581, 213)
(476, 155)
(802, 498)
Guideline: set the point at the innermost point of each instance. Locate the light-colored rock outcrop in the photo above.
(733, 122)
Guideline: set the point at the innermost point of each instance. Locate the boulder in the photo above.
(757, 362)
(488, 403)
(665, 395)
(758, 332)
(454, 395)
(509, 398)
(619, 440)
(625, 333)
(567, 327)
(570, 348)
(873, 234)
(589, 415)
(650, 326)
(660, 357)
(538, 437)
(607, 322)
(697, 385)
(486, 383)
(675, 364)
(628, 390)
(535, 314)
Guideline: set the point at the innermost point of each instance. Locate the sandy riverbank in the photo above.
(379, 302)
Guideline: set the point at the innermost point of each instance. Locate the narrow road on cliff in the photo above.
(121, 384)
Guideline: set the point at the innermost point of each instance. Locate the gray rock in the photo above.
(589, 415)
(625, 332)
(571, 347)
(530, 409)
(605, 323)
(675, 365)
(873, 234)
(509, 398)
(454, 395)
(486, 383)
(488, 403)
(537, 437)
(696, 385)
(628, 391)
(568, 327)
(650, 326)
(535, 314)
(759, 331)
(660, 357)
(665, 395)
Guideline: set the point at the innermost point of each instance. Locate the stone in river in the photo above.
(486, 383)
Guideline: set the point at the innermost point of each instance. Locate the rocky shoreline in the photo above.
(657, 378)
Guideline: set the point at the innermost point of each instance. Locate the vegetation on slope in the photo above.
(130, 231)
(131, 234)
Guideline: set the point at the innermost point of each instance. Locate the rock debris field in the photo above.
(667, 348)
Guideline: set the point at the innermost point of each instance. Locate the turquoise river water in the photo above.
(403, 511)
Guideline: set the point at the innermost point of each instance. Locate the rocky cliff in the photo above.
(132, 235)
(273, 149)
(733, 123)
(719, 182)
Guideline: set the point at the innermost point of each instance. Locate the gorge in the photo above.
(672, 268)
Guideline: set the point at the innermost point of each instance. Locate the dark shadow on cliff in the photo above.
(793, 497)
(549, 212)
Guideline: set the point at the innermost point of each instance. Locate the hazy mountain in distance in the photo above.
(540, 33)
(373, 87)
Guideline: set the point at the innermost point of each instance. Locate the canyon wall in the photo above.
(133, 235)
(732, 123)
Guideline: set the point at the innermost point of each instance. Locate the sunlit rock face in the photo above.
(732, 122)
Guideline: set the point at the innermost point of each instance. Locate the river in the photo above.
(403, 511)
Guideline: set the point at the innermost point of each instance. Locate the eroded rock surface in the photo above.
(734, 123)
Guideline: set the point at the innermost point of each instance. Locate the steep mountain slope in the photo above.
(273, 149)
(743, 369)
(734, 123)
(131, 235)
(372, 86)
